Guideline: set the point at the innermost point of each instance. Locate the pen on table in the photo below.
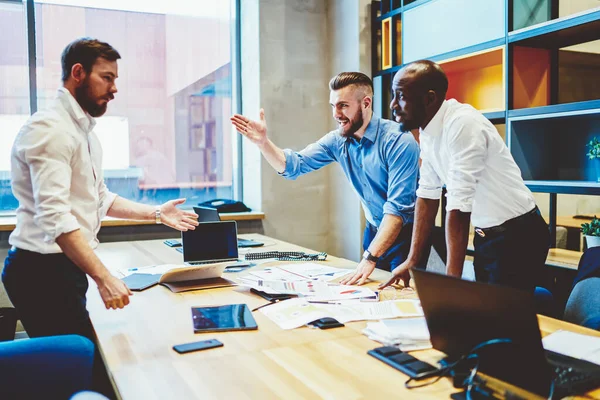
(323, 302)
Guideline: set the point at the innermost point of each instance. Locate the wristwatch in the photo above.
(157, 215)
(369, 257)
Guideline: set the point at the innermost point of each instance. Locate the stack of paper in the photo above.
(576, 345)
(407, 333)
(294, 313)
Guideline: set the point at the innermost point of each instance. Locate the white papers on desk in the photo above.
(576, 345)
(407, 333)
(293, 313)
(152, 269)
(358, 311)
(315, 271)
(300, 271)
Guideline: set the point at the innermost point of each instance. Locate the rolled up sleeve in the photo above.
(48, 154)
(468, 151)
(313, 157)
(403, 171)
(107, 198)
(430, 184)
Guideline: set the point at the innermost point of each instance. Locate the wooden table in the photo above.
(267, 364)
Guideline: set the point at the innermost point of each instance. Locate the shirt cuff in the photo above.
(463, 205)
(287, 173)
(429, 193)
(66, 223)
(393, 209)
(107, 204)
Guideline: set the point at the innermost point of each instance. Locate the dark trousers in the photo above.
(514, 253)
(48, 291)
(398, 252)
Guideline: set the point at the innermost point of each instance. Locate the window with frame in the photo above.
(167, 133)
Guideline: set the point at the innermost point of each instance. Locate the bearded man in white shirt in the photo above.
(56, 174)
(461, 149)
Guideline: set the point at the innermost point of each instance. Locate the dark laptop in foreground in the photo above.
(463, 314)
(207, 214)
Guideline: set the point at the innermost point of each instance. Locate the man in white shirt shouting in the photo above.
(461, 149)
(57, 177)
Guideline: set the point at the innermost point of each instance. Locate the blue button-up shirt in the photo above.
(383, 167)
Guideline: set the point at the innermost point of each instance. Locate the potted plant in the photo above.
(591, 231)
(594, 153)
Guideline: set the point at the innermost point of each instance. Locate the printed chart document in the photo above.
(293, 313)
(576, 345)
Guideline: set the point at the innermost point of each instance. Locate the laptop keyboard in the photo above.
(209, 262)
(572, 376)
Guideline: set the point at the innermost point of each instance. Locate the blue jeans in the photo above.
(48, 291)
(398, 251)
(46, 368)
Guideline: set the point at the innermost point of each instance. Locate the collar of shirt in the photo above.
(84, 120)
(434, 127)
(370, 131)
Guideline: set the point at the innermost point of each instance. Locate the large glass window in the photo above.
(14, 89)
(167, 133)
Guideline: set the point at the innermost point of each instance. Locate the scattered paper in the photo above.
(152, 269)
(293, 313)
(276, 274)
(358, 311)
(576, 345)
(313, 270)
(407, 333)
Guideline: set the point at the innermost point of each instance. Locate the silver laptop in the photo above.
(210, 242)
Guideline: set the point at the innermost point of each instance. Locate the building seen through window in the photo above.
(167, 133)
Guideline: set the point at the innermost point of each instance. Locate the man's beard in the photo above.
(406, 125)
(355, 125)
(83, 98)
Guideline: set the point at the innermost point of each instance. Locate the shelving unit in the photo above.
(532, 67)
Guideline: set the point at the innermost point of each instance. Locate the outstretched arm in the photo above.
(170, 215)
(256, 132)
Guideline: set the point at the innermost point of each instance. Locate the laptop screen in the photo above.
(210, 241)
(461, 315)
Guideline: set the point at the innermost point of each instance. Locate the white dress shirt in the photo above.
(56, 175)
(461, 149)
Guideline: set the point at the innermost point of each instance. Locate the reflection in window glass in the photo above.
(167, 133)
(14, 90)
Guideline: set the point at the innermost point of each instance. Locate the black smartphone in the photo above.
(272, 297)
(195, 346)
(172, 242)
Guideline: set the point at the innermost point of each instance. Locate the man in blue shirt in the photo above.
(381, 162)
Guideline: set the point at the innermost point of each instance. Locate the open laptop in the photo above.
(462, 314)
(210, 242)
(207, 214)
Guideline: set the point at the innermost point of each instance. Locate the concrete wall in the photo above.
(301, 44)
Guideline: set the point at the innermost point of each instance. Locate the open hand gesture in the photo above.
(255, 131)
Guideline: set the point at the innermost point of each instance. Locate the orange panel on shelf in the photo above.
(531, 77)
(398, 60)
(386, 43)
(477, 80)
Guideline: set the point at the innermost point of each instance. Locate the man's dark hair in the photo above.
(344, 79)
(85, 51)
